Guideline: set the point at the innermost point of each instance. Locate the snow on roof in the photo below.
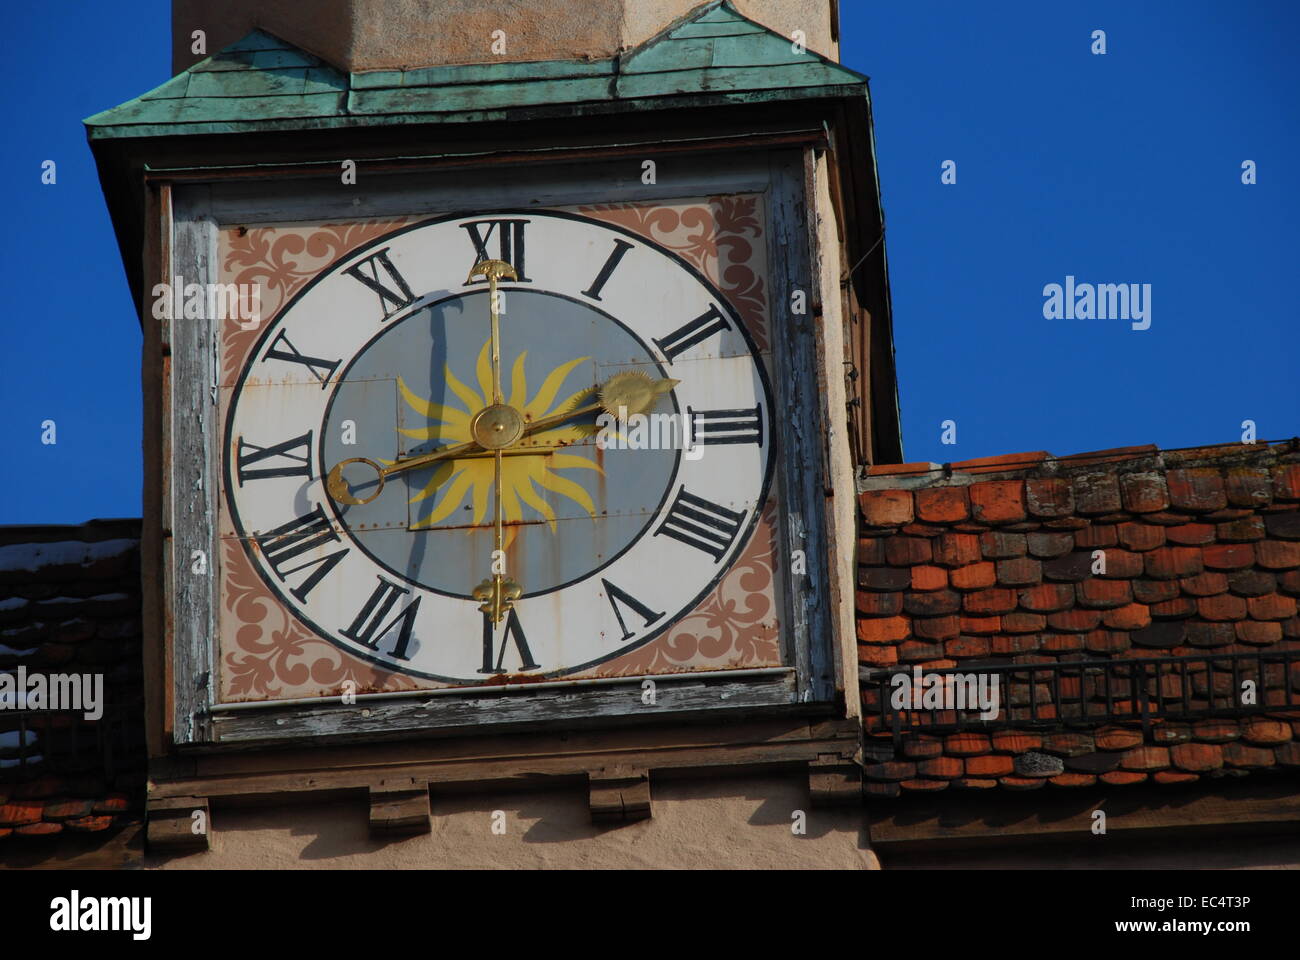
(34, 556)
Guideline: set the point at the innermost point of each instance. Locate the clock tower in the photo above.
(504, 385)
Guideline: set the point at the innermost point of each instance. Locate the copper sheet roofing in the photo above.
(716, 56)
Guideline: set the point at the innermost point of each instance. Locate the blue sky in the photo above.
(1122, 168)
(1117, 168)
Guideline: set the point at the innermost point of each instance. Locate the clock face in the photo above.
(389, 478)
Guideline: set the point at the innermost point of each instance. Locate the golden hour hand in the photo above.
(341, 490)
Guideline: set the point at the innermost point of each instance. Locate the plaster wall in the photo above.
(740, 823)
(360, 35)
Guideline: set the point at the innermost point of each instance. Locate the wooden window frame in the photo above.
(190, 211)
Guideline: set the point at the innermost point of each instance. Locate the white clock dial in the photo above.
(613, 532)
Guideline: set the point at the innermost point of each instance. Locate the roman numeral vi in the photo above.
(514, 630)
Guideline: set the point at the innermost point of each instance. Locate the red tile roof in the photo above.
(70, 604)
(993, 563)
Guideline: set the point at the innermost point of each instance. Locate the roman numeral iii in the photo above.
(701, 524)
(701, 328)
(727, 426)
(301, 535)
(378, 273)
(289, 459)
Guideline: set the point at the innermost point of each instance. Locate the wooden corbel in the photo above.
(399, 808)
(834, 780)
(619, 794)
(178, 824)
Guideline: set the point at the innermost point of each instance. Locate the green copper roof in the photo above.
(263, 83)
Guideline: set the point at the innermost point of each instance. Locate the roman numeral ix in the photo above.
(701, 524)
(293, 456)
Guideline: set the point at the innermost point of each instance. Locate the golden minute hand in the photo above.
(493, 271)
(501, 426)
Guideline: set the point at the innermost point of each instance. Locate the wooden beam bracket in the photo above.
(178, 824)
(399, 808)
(834, 780)
(619, 794)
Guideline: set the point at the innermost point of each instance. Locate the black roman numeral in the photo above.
(701, 524)
(314, 364)
(513, 630)
(617, 596)
(295, 457)
(509, 235)
(683, 338)
(621, 247)
(373, 271)
(368, 628)
(727, 426)
(301, 535)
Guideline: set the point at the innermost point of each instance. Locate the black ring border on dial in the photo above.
(388, 328)
(741, 542)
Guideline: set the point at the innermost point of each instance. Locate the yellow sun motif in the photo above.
(454, 480)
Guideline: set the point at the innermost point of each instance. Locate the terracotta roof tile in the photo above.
(1049, 496)
(1286, 482)
(1123, 554)
(942, 504)
(1007, 461)
(1021, 783)
(883, 508)
(1122, 778)
(1115, 455)
(70, 599)
(1073, 780)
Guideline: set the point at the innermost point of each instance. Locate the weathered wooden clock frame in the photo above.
(801, 714)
